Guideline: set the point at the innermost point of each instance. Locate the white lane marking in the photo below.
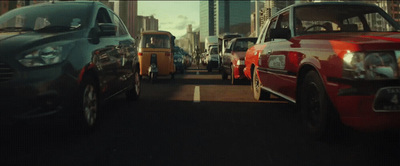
(197, 73)
(196, 95)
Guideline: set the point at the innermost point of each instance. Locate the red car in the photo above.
(251, 60)
(233, 60)
(338, 61)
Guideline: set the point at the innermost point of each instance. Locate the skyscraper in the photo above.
(206, 19)
(221, 16)
(232, 16)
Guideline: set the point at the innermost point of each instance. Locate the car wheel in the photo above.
(153, 77)
(224, 75)
(233, 80)
(134, 93)
(258, 93)
(314, 105)
(88, 105)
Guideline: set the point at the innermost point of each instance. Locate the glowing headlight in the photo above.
(42, 57)
(240, 62)
(178, 60)
(370, 65)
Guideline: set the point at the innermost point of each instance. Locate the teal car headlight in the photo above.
(43, 56)
(178, 60)
(370, 65)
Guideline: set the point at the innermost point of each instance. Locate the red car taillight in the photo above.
(140, 53)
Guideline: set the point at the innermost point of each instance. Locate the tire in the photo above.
(258, 93)
(314, 106)
(88, 105)
(224, 75)
(172, 76)
(153, 77)
(134, 93)
(233, 80)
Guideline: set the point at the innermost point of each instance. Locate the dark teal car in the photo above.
(179, 59)
(63, 59)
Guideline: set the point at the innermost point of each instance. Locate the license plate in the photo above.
(387, 100)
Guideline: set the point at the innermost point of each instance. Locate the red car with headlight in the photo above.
(233, 60)
(338, 61)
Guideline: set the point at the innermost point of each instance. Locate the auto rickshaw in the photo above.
(156, 54)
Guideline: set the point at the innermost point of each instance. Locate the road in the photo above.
(198, 119)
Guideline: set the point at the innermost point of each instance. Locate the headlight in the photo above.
(178, 60)
(240, 62)
(43, 56)
(370, 65)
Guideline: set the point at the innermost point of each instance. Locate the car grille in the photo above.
(6, 72)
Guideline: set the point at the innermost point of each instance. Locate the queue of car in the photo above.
(182, 59)
(326, 58)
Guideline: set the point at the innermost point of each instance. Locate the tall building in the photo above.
(206, 19)
(222, 16)
(392, 7)
(145, 23)
(232, 16)
(3, 7)
(127, 11)
(273, 6)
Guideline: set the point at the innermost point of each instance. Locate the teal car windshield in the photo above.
(51, 17)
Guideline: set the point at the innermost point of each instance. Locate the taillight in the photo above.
(167, 54)
(140, 53)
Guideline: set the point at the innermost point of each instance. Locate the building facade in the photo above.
(145, 23)
(206, 19)
(222, 16)
(232, 17)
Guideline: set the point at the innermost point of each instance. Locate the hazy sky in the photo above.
(173, 16)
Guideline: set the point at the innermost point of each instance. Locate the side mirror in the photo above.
(281, 33)
(107, 29)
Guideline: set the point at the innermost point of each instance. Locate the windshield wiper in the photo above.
(55, 28)
(15, 29)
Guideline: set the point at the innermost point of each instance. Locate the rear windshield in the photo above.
(214, 51)
(243, 45)
(45, 18)
(155, 41)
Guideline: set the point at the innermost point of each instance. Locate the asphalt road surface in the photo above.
(197, 119)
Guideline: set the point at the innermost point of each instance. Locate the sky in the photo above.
(173, 16)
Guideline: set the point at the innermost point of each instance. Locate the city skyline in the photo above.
(180, 14)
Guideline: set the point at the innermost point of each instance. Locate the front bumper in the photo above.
(37, 93)
(213, 64)
(358, 106)
(357, 112)
(238, 72)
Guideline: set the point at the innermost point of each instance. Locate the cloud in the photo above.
(179, 23)
(183, 22)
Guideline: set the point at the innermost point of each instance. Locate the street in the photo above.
(223, 126)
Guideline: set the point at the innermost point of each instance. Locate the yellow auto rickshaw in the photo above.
(156, 54)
